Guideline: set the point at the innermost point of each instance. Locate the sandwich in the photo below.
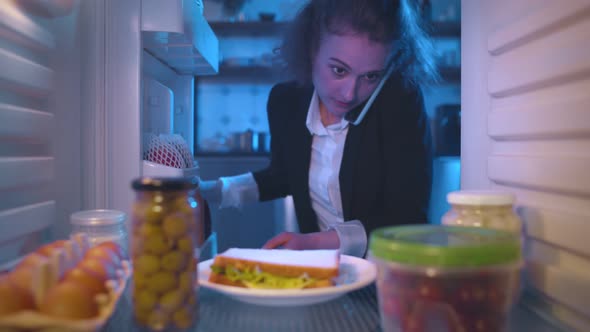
(275, 268)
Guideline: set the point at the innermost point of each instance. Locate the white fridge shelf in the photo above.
(21, 73)
(23, 30)
(179, 36)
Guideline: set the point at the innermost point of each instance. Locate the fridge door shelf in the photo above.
(179, 36)
(151, 169)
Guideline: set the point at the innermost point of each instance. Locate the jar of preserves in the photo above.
(445, 278)
(101, 226)
(166, 229)
(488, 209)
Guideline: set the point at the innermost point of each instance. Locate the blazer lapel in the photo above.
(347, 168)
(304, 140)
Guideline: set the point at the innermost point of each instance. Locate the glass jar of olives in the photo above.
(167, 226)
(478, 208)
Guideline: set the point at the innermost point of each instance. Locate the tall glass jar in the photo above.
(488, 209)
(101, 226)
(166, 228)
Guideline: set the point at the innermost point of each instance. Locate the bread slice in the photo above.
(321, 266)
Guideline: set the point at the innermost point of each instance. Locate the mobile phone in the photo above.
(374, 95)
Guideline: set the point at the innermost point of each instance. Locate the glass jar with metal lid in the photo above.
(479, 208)
(167, 226)
(445, 278)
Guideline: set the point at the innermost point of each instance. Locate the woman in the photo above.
(349, 171)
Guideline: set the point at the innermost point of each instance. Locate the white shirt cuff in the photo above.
(353, 237)
(238, 190)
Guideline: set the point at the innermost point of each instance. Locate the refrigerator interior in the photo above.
(70, 121)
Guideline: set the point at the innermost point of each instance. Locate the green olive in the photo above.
(145, 300)
(162, 282)
(170, 301)
(175, 225)
(185, 244)
(173, 261)
(156, 244)
(146, 230)
(154, 214)
(147, 264)
(158, 320)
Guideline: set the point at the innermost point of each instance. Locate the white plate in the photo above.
(355, 273)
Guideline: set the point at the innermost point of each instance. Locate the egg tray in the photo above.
(30, 320)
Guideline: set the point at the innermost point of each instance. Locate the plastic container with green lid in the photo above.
(443, 278)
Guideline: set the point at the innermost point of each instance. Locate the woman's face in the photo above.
(346, 70)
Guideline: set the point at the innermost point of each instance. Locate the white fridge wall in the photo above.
(182, 87)
(526, 128)
(40, 136)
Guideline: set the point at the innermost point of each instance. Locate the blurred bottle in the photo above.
(446, 130)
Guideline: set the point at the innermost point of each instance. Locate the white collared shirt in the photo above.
(327, 149)
(324, 187)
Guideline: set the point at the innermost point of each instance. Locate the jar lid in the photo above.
(97, 218)
(167, 184)
(480, 197)
(444, 246)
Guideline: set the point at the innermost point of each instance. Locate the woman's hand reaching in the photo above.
(297, 241)
(211, 191)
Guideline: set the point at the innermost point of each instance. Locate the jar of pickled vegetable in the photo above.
(488, 209)
(167, 226)
(445, 278)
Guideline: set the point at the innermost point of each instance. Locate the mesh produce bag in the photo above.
(159, 149)
(180, 144)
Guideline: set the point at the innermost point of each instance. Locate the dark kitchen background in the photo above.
(231, 129)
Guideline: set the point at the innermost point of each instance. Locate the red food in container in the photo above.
(445, 279)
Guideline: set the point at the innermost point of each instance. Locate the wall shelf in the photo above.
(261, 28)
(251, 28)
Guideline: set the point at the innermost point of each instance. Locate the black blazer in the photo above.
(386, 169)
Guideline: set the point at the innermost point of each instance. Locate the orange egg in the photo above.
(87, 279)
(31, 259)
(69, 300)
(103, 253)
(12, 298)
(116, 248)
(101, 268)
(22, 277)
(48, 248)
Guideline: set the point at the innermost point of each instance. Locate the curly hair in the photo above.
(388, 21)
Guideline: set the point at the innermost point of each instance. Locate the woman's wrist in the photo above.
(323, 240)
